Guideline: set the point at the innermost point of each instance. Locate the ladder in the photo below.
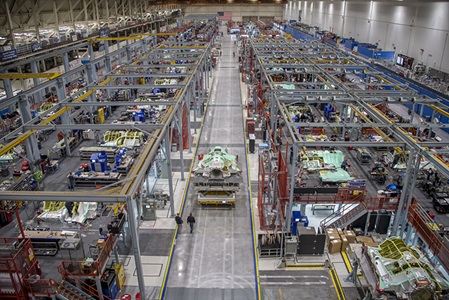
(345, 216)
(68, 291)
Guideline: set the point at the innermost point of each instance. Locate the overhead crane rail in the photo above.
(380, 132)
(49, 76)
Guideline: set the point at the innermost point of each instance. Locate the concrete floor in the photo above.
(217, 260)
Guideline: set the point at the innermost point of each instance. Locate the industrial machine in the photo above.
(440, 202)
(391, 190)
(379, 173)
(404, 271)
(363, 155)
(217, 177)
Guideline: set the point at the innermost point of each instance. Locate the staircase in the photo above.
(347, 214)
(68, 291)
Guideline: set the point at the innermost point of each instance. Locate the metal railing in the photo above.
(386, 203)
(344, 195)
(40, 287)
(71, 282)
(94, 268)
(346, 213)
(429, 231)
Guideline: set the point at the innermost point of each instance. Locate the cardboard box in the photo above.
(330, 231)
(370, 244)
(100, 243)
(344, 243)
(340, 232)
(363, 239)
(334, 246)
(350, 235)
(333, 236)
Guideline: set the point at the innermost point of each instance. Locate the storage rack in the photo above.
(86, 152)
(58, 151)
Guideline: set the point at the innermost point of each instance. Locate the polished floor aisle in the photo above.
(217, 260)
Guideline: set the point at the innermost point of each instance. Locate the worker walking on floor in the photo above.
(71, 181)
(179, 222)
(344, 165)
(191, 221)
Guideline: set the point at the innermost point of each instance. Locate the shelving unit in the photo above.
(86, 152)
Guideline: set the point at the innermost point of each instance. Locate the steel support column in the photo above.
(410, 232)
(273, 115)
(397, 217)
(107, 57)
(99, 287)
(10, 24)
(367, 221)
(31, 146)
(412, 115)
(144, 46)
(169, 169)
(292, 171)
(410, 192)
(195, 107)
(90, 51)
(7, 86)
(36, 81)
(415, 239)
(431, 121)
(421, 111)
(128, 52)
(189, 133)
(132, 218)
(181, 141)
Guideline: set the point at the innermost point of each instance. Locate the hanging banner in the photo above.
(9, 55)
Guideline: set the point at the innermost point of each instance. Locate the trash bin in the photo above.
(174, 147)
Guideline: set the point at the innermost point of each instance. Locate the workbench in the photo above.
(95, 178)
(69, 245)
(52, 167)
(46, 243)
(86, 152)
(125, 165)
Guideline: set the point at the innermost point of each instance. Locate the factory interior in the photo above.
(238, 150)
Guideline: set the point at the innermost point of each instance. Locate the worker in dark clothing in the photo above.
(191, 221)
(103, 234)
(179, 221)
(437, 180)
(71, 181)
(69, 206)
(344, 165)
